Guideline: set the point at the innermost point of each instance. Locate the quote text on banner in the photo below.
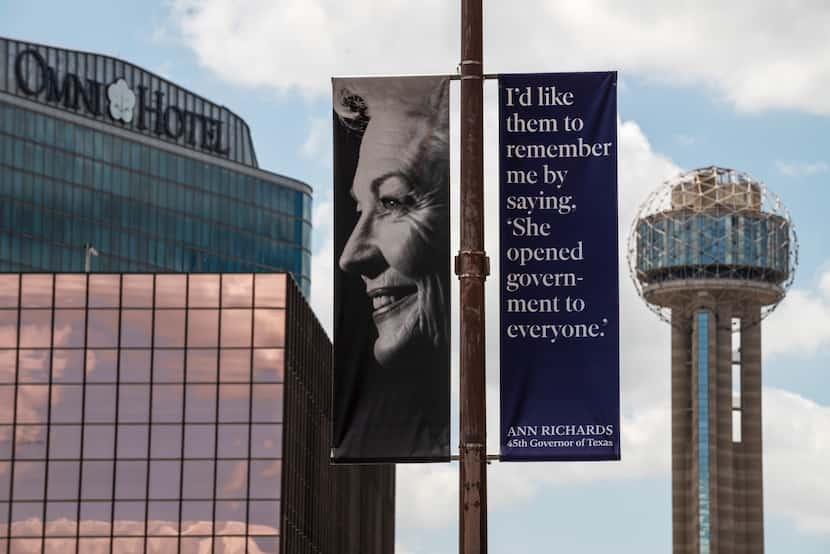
(559, 331)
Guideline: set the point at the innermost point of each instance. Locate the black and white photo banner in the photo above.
(391, 397)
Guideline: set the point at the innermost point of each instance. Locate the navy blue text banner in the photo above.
(560, 396)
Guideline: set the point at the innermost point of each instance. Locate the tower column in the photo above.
(683, 522)
(751, 444)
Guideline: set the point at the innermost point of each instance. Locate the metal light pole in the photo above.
(472, 267)
(89, 251)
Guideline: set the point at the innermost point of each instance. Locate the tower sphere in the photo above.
(712, 231)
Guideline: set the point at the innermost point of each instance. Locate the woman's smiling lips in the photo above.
(388, 299)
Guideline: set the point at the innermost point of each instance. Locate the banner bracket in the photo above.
(472, 264)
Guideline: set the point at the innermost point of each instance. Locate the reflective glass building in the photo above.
(174, 413)
(96, 151)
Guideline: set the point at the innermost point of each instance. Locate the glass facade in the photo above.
(685, 244)
(141, 413)
(704, 522)
(174, 413)
(64, 185)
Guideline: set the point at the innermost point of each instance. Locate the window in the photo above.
(136, 328)
(169, 330)
(63, 480)
(133, 441)
(736, 380)
(168, 366)
(70, 328)
(236, 327)
(131, 480)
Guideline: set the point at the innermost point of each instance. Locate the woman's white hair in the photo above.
(357, 100)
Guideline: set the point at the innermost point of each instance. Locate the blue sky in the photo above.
(741, 84)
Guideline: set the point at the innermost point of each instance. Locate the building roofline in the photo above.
(151, 73)
(276, 178)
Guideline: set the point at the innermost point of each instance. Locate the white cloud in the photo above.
(317, 144)
(797, 435)
(824, 284)
(426, 495)
(323, 213)
(801, 323)
(641, 170)
(644, 338)
(299, 44)
(322, 268)
(755, 55)
(646, 452)
(801, 169)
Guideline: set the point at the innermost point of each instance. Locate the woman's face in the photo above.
(400, 243)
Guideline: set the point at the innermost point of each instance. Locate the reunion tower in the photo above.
(713, 251)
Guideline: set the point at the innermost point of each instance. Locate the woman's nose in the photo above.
(361, 253)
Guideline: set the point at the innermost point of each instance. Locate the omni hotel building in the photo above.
(176, 396)
(96, 151)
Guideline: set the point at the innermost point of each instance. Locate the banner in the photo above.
(391, 270)
(559, 267)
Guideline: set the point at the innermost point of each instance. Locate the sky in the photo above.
(741, 84)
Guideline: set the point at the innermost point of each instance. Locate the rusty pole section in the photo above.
(472, 267)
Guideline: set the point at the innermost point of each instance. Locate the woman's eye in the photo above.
(395, 203)
(390, 203)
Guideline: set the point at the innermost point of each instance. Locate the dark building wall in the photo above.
(348, 509)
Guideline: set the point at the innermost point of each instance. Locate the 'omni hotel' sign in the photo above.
(143, 109)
